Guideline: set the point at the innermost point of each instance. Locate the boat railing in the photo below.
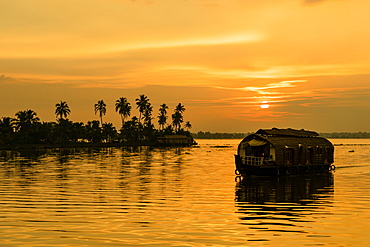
(254, 161)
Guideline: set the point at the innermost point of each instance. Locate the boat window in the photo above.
(310, 156)
(289, 156)
(300, 155)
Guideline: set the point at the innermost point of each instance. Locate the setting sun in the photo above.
(264, 105)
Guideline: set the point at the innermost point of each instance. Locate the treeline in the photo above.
(218, 135)
(354, 135)
(27, 128)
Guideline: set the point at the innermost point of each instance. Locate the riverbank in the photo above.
(86, 145)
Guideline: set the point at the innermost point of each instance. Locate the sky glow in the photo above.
(308, 59)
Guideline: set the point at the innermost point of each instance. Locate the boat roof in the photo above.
(286, 138)
(287, 132)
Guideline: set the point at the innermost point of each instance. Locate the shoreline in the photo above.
(84, 145)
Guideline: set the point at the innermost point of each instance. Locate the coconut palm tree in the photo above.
(188, 125)
(123, 107)
(100, 107)
(142, 103)
(132, 130)
(6, 130)
(93, 131)
(163, 109)
(64, 131)
(177, 119)
(109, 132)
(24, 119)
(147, 114)
(25, 124)
(62, 109)
(162, 118)
(180, 108)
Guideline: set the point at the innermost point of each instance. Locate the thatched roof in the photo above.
(286, 141)
(286, 138)
(286, 132)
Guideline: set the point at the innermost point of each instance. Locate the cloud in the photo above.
(310, 2)
(5, 79)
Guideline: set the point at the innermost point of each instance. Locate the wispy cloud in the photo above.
(313, 1)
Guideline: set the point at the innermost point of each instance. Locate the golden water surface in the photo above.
(179, 197)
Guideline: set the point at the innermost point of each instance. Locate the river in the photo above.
(179, 197)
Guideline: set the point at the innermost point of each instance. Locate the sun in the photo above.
(264, 105)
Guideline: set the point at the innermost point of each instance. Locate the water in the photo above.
(179, 197)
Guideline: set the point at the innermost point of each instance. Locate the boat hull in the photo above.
(275, 170)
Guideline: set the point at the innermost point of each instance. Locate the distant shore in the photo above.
(332, 135)
(84, 145)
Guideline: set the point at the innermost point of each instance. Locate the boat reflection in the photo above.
(283, 201)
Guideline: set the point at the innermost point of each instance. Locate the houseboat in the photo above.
(283, 152)
(175, 140)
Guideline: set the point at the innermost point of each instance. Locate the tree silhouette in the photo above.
(188, 125)
(93, 131)
(62, 109)
(100, 107)
(132, 130)
(162, 118)
(147, 114)
(24, 122)
(163, 109)
(142, 103)
(26, 127)
(6, 130)
(123, 107)
(24, 119)
(177, 119)
(109, 132)
(64, 131)
(180, 108)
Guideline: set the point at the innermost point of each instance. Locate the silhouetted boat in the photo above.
(283, 151)
(175, 140)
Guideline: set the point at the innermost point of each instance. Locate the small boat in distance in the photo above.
(283, 152)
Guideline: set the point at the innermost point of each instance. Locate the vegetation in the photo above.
(26, 127)
(217, 135)
(100, 107)
(352, 135)
(123, 107)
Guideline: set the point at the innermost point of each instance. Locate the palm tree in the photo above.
(62, 109)
(188, 125)
(6, 130)
(142, 103)
(163, 109)
(162, 118)
(132, 130)
(123, 107)
(93, 131)
(147, 114)
(177, 119)
(24, 119)
(100, 107)
(109, 132)
(25, 124)
(64, 131)
(180, 108)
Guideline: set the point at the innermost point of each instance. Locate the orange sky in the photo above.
(309, 59)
